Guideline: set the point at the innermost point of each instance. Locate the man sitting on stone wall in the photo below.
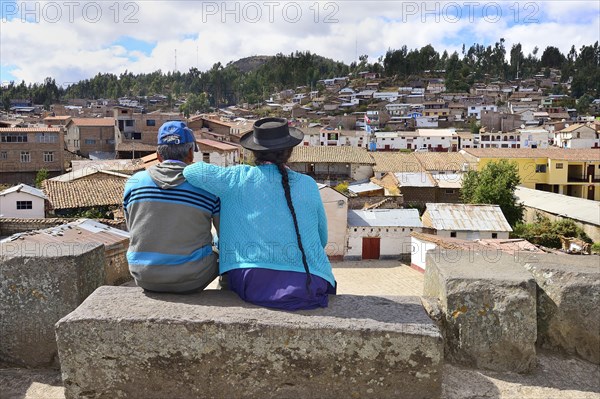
(170, 249)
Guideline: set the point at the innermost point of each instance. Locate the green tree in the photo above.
(195, 102)
(495, 184)
(547, 233)
(41, 175)
(583, 104)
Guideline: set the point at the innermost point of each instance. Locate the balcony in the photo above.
(583, 179)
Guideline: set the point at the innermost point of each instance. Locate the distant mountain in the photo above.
(250, 64)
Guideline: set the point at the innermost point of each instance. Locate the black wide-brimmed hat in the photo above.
(272, 134)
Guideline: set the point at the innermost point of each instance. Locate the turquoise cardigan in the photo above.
(256, 227)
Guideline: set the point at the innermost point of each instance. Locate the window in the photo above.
(206, 157)
(494, 235)
(90, 141)
(150, 122)
(129, 122)
(46, 137)
(540, 168)
(25, 156)
(123, 111)
(453, 234)
(13, 138)
(110, 141)
(3, 156)
(24, 205)
(449, 191)
(559, 166)
(48, 156)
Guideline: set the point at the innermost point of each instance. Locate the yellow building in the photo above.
(573, 172)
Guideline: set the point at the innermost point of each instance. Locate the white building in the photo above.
(385, 96)
(475, 110)
(577, 136)
(438, 139)
(217, 152)
(23, 202)
(336, 210)
(491, 249)
(427, 121)
(330, 137)
(397, 109)
(381, 233)
(534, 138)
(466, 221)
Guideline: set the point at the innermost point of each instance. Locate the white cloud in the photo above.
(70, 49)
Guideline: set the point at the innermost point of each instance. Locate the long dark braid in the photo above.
(279, 158)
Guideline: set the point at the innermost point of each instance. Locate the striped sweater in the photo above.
(170, 224)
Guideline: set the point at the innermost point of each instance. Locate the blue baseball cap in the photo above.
(176, 132)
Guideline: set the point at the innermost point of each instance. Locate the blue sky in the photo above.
(76, 40)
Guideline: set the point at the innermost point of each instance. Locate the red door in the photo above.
(370, 248)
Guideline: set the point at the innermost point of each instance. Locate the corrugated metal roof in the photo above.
(25, 189)
(466, 217)
(81, 173)
(572, 207)
(364, 187)
(80, 232)
(384, 218)
(106, 122)
(419, 179)
(29, 130)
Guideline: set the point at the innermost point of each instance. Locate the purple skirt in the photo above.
(280, 289)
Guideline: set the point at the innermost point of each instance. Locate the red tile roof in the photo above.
(558, 153)
(84, 193)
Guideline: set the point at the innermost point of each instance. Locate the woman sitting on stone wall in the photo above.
(273, 225)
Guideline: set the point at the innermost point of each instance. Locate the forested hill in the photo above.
(253, 79)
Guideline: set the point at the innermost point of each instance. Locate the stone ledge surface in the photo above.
(122, 342)
(568, 303)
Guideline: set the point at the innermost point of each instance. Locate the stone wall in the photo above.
(487, 308)
(122, 342)
(490, 316)
(40, 285)
(568, 303)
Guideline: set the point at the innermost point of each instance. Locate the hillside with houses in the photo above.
(399, 133)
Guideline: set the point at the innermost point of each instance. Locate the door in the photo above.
(370, 248)
(590, 172)
(591, 192)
